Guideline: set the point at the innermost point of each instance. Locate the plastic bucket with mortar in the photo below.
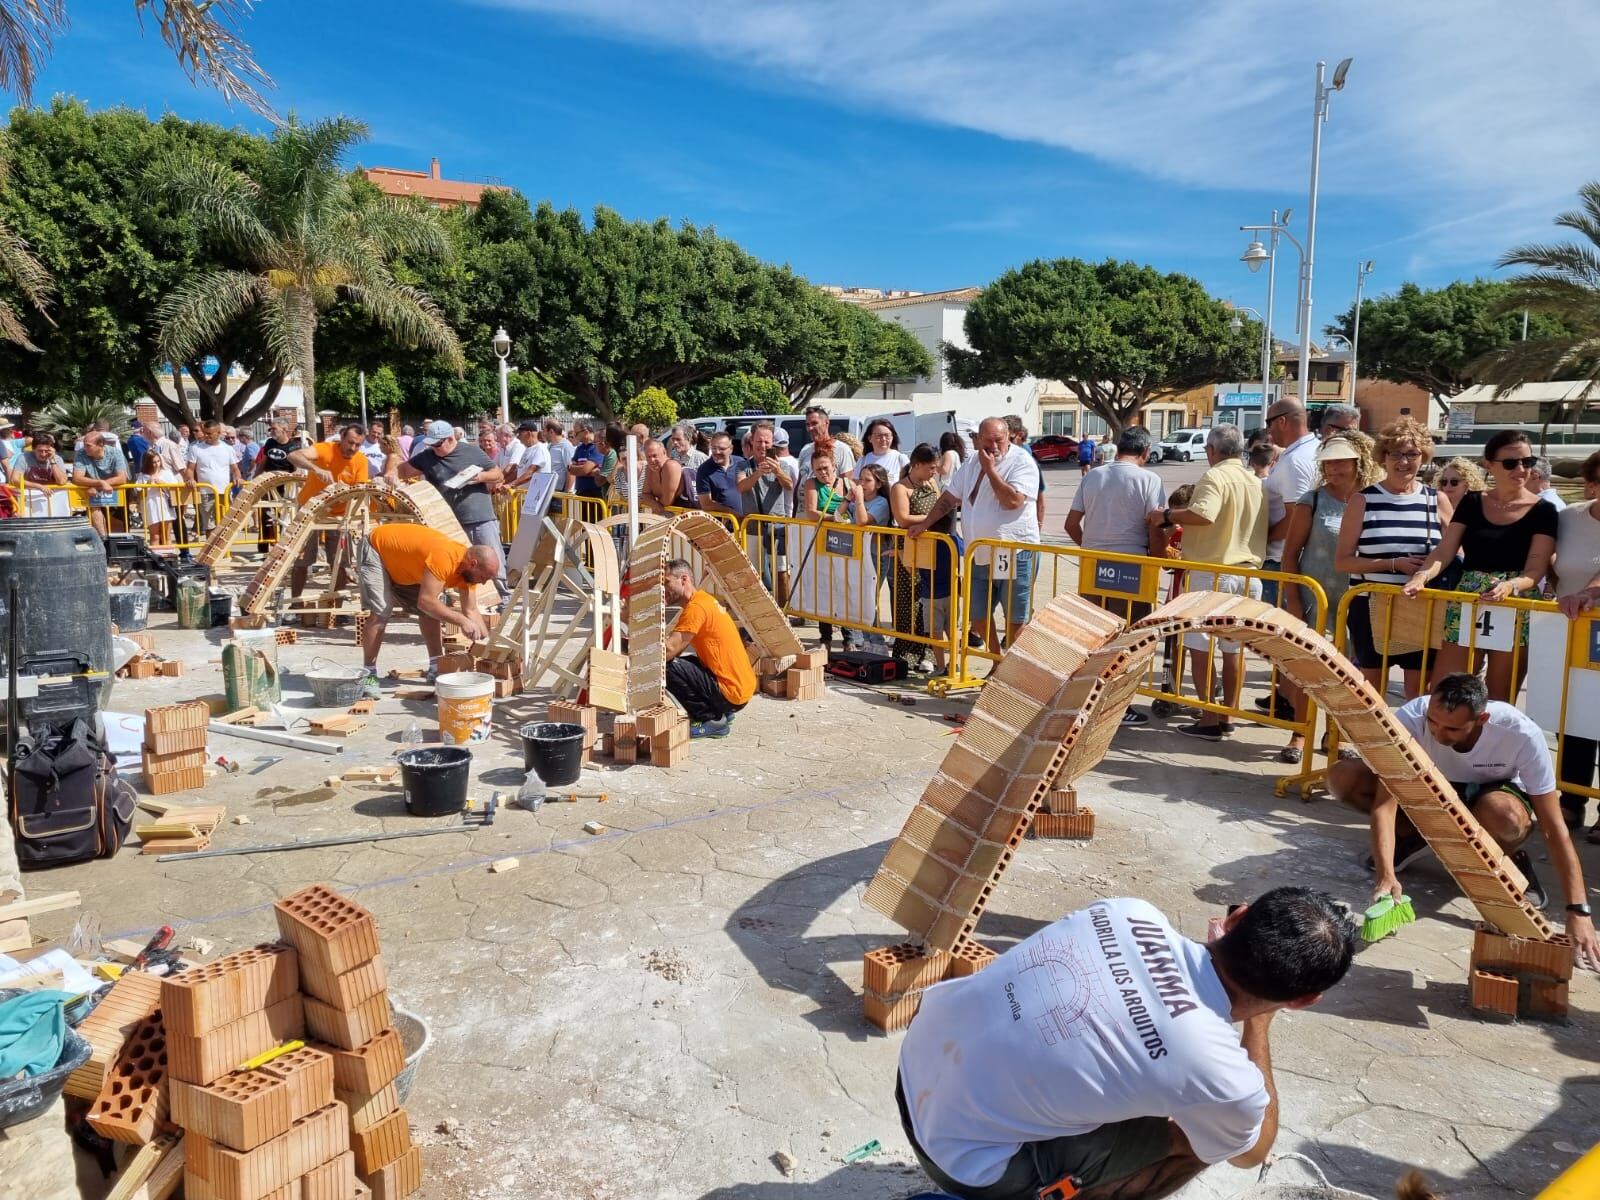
(553, 750)
(434, 779)
(466, 707)
(333, 686)
(130, 607)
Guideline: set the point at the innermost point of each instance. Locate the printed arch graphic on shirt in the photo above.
(752, 605)
(1046, 717)
(1071, 994)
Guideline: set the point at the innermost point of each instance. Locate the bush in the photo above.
(735, 393)
(652, 407)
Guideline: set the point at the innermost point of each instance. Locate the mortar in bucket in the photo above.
(130, 607)
(333, 686)
(466, 707)
(434, 779)
(553, 750)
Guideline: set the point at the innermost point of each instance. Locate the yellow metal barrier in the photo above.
(1019, 577)
(173, 516)
(866, 578)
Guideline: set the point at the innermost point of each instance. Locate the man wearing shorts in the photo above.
(326, 463)
(1225, 523)
(997, 491)
(1100, 1053)
(1500, 766)
(412, 565)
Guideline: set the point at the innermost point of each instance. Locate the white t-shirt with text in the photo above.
(1510, 748)
(1106, 1015)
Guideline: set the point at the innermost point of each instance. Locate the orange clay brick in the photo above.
(892, 970)
(968, 958)
(333, 1180)
(890, 1013)
(348, 1029)
(665, 752)
(195, 1188)
(1062, 801)
(363, 1192)
(207, 997)
(209, 1056)
(1547, 999)
(653, 722)
(332, 933)
(164, 783)
(400, 1178)
(367, 1068)
(366, 1110)
(247, 1175)
(381, 1143)
(131, 999)
(1521, 956)
(350, 989)
(1077, 826)
(171, 718)
(1494, 994)
(132, 1104)
(243, 1109)
(176, 760)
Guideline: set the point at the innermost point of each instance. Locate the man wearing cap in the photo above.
(326, 463)
(443, 459)
(532, 456)
(412, 565)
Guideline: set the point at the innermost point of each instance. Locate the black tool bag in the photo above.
(67, 803)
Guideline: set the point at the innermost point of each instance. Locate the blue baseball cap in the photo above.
(436, 432)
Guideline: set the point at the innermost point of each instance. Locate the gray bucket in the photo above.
(333, 686)
(130, 607)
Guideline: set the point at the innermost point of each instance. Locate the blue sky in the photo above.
(934, 144)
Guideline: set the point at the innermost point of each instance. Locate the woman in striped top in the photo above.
(1387, 533)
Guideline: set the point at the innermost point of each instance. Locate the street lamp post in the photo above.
(1237, 324)
(1254, 255)
(1362, 271)
(501, 344)
(1318, 116)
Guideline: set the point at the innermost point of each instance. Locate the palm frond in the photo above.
(13, 330)
(196, 312)
(1580, 262)
(288, 321)
(224, 201)
(18, 263)
(395, 227)
(204, 35)
(1539, 359)
(27, 29)
(411, 317)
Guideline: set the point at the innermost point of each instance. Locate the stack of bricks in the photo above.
(131, 1106)
(663, 734)
(793, 676)
(507, 673)
(132, 999)
(1062, 817)
(347, 1012)
(174, 754)
(1518, 977)
(893, 978)
(657, 735)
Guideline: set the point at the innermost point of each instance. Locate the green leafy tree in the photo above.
(115, 255)
(735, 393)
(304, 244)
(383, 392)
(651, 407)
(829, 342)
(1562, 287)
(1115, 333)
(340, 389)
(71, 418)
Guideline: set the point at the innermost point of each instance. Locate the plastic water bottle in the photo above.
(531, 794)
(412, 738)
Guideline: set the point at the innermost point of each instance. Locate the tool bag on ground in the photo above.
(67, 803)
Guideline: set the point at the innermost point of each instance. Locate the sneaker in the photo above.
(1407, 850)
(431, 675)
(710, 729)
(1276, 705)
(1134, 717)
(1206, 733)
(1535, 895)
(371, 688)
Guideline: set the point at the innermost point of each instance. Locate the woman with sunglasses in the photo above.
(1458, 477)
(1507, 539)
(1386, 534)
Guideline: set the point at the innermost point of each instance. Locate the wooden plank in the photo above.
(41, 904)
(140, 1168)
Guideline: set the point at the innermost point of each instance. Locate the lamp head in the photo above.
(1340, 72)
(1254, 255)
(501, 342)
(1366, 267)
(1236, 324)
(1287, 213)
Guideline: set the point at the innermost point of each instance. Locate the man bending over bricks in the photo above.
(1098, 1057)
(412, 565)
(1498, 762)
(716, 681)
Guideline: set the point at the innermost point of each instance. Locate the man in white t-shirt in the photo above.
(996, 488)
(1497, 760)
(1100, 1053)
(211, 461)
(372, 447)
(817, 428)
(1292, 476)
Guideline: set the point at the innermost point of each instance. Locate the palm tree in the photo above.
(1563, 285)
(27, 273)
(306, 243)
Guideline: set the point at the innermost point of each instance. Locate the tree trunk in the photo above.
(308, 380)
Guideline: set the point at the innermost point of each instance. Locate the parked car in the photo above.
(1184, 445)
(1054, 447)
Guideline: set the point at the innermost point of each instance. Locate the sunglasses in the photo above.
(1449, 483)
(1511, 464)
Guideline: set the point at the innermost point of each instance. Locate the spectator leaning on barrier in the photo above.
(214, 463)
(159, 509)
(1506, 537)
(766, 484)
(662, 479)
(1225, 524)
(1388, 530)
(533, 456)
(1577, 585)
(587, 458)
(101, 472)
(997, 491)
(911, 497)
(717, 484)
(1458, 477)
(1499, 765)
(827, 496)
(1539, 483)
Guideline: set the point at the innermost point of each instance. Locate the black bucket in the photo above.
(435, 779)
(553, 750)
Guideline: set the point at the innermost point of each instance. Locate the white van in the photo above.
(1184, 445)
(912, 427)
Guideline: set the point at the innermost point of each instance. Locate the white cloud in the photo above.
(1477, 115)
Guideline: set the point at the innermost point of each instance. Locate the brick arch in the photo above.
(1048, 712)
(751, 603)
(239, 511)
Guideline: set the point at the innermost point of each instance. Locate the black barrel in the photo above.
(63, 615)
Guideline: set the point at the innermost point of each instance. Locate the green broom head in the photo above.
(1386, 916)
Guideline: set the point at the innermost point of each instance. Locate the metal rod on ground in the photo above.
(275, 738)
(346, 840)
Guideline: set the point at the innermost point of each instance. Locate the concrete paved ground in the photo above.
(661, 1009)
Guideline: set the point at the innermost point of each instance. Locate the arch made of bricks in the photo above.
(239, 512)
(752, 605)
(1048, 713)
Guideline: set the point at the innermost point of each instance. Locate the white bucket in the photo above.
(466, 707)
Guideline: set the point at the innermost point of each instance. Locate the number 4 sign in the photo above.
(1486, 627)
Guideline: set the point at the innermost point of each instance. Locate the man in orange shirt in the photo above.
(411, 565)
(326, 463)
(716, 681)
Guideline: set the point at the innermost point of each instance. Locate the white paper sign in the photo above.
(1548, 668)
(1000, 562)
(1486, 627)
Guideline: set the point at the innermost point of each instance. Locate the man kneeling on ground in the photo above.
(1497, 760)
(412, 565)
(1101, 1051)
(717, 680)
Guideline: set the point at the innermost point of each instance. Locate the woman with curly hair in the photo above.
(1458, 477)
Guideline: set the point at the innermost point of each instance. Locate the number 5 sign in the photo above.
(1000, 562)
(1486, 627)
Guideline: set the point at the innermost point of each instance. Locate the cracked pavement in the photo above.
(565, 1063)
